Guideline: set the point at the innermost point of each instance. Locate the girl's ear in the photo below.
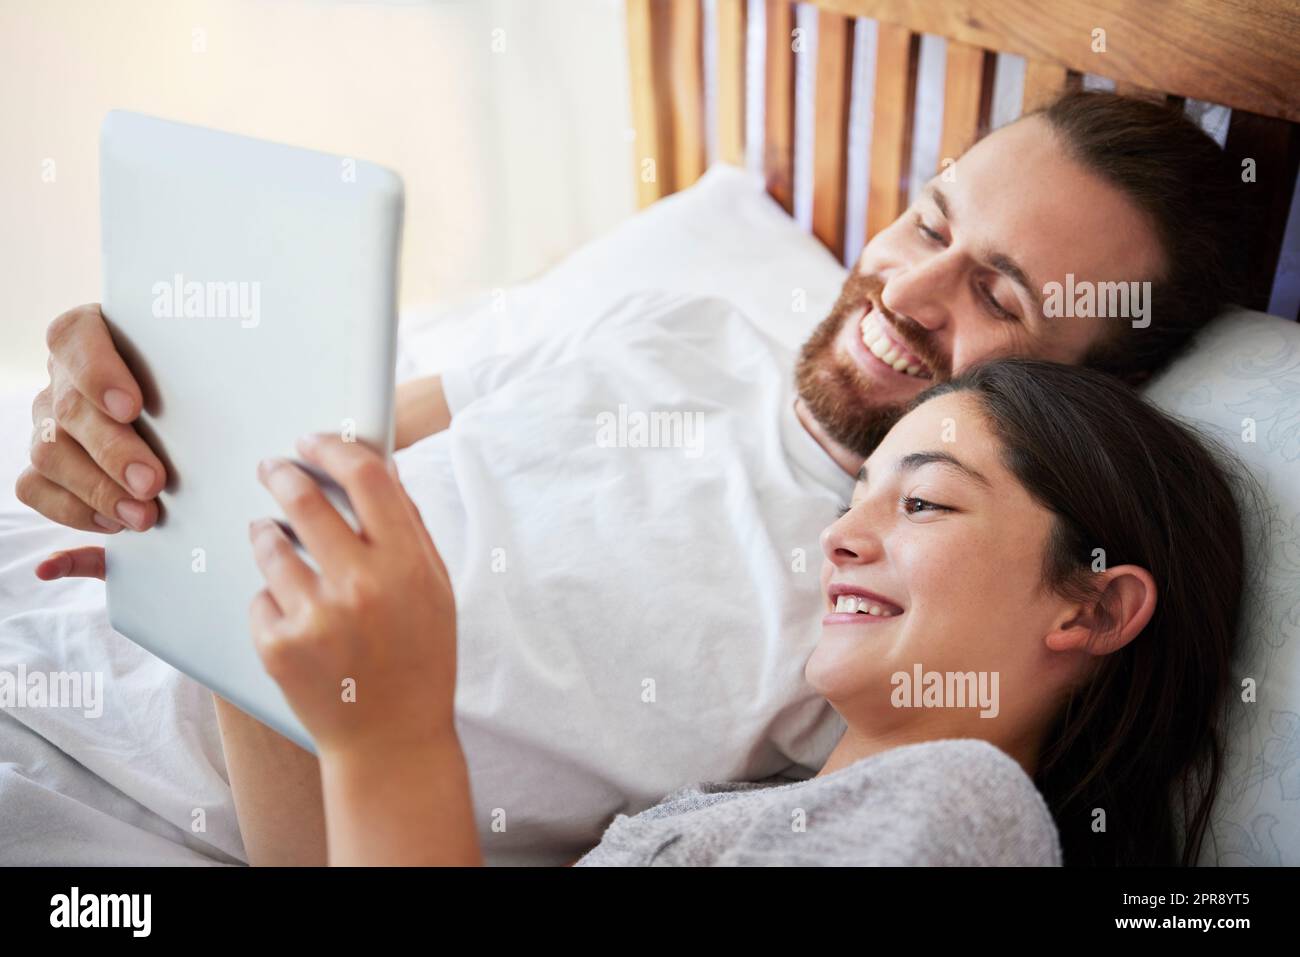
(1125, 602)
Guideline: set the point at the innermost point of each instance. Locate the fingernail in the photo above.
(308, 442)
(61, 568)
(139, 478)
(119, 404)
(267, 466)
(132, 513)
(106, 523)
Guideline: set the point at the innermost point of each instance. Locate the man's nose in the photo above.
(924, 290)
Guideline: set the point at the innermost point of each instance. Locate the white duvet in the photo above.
(143, 782)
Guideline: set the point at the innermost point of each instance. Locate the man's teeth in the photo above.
(880, 346)
(855, 604)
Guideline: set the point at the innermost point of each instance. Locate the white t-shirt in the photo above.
(630, 516)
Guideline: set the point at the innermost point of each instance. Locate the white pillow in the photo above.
(726, 237)
(1242, 376)
(723, 236)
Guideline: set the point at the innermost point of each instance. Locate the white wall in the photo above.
(511, 158)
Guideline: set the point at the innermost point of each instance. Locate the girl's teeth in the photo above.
(853, 604)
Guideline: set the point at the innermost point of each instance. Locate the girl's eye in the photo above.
(911, 505)
(995, 306)
(843, 510)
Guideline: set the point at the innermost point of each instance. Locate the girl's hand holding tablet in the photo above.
(365, 652)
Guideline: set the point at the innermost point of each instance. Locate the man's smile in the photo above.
(875, 349)
(877, 337)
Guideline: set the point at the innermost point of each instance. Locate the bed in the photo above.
(842, 109)
(752, 157)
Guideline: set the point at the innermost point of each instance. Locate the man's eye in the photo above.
(996, 307)
(911, 505)
(927, 232)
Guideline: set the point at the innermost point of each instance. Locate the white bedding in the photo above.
(142, 783)
(145, 783)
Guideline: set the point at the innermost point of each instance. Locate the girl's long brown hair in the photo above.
(1142, 741)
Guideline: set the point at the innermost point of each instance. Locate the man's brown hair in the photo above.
(1194, 198)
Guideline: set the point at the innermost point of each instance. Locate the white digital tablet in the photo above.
(252, 289)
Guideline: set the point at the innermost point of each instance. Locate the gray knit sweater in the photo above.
(950, 802)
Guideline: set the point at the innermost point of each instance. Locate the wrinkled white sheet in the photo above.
(142, 783)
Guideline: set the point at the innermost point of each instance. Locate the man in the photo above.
(633, 619)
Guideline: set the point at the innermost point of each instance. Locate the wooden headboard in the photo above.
(1244, 54)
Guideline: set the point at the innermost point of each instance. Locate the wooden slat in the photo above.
(651, 111)
(1043, 83)
(1274, 145)
(967, 98)
(686, 77)
(1242, 53)
(897, 51)
(830, 143)
(731, 81)
(778, 125)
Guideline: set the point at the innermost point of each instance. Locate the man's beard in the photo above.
(835, 390)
